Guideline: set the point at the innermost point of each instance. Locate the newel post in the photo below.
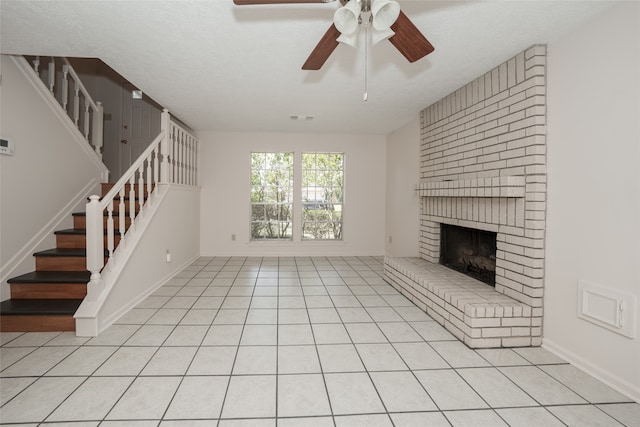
(95, 246)
(98, 128)
(165, 146)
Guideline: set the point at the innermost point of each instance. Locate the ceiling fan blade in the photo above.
(251, 2)
(323, 49)
(409, 40)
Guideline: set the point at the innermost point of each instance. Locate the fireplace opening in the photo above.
(469, 251)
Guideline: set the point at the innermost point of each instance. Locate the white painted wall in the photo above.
(49, 176)
(225, 174)
(593, 228)
(171, 228)
(403, 205)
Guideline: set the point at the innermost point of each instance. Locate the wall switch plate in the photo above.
(6, 146)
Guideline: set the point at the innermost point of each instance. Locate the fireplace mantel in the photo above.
(504, 186)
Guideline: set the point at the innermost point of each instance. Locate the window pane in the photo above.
(257, 213)
(271, 195)
(322, 181)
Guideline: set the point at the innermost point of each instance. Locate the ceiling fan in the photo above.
(384, 16)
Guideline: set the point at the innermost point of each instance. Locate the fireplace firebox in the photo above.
(469, 251)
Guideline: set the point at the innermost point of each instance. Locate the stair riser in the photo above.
(80, 222)
(73, 241)
(61, 263)
(37, 323)
(48, 291)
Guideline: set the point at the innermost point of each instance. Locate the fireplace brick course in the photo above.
(483, 166)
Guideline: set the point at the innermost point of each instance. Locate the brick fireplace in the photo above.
(483, 166)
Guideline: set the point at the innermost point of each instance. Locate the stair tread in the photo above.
(52, 277)
(127, 198)
(78, 232)
(65, 252)
(62, 252)
(115, 213)
(25, 307)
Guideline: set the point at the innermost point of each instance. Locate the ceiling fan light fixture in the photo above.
(384, 13)
(349, 39)
(379, 35)
(346, 18)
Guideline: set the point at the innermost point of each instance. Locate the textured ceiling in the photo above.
(218, 66)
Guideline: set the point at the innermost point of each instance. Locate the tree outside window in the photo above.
(271, 196)
(322, 195)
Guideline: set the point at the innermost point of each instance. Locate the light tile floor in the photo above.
(289, 342)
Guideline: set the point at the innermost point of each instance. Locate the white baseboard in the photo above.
(619, 384)
(288, 253)
(105, 323)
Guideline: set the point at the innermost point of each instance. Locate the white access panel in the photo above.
(611, 309)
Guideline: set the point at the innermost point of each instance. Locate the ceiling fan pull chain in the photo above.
(365, 96)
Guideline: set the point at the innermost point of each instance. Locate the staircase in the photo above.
(47, 298)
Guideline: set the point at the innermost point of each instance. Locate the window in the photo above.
(322, 191)
(271, 195)
(318, 187)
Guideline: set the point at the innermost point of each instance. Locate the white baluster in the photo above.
(193, 162)
(87, 116)
(36, 65)
(176, 166)
(165, 145)
(97, 129)
(192, 176)
(185, 157)
(176, 157)
(141, 186)
(76, 103)
(65, 86)
(121, 216)
(198, 163)
(189, 154)
(149, 173)
(174, 143)
(174, 154)
(181, 155)
(95, 246)
(156, 166)
(110, 230)
(52, 74)
(132, 198)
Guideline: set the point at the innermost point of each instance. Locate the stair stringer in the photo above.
(138, 266)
